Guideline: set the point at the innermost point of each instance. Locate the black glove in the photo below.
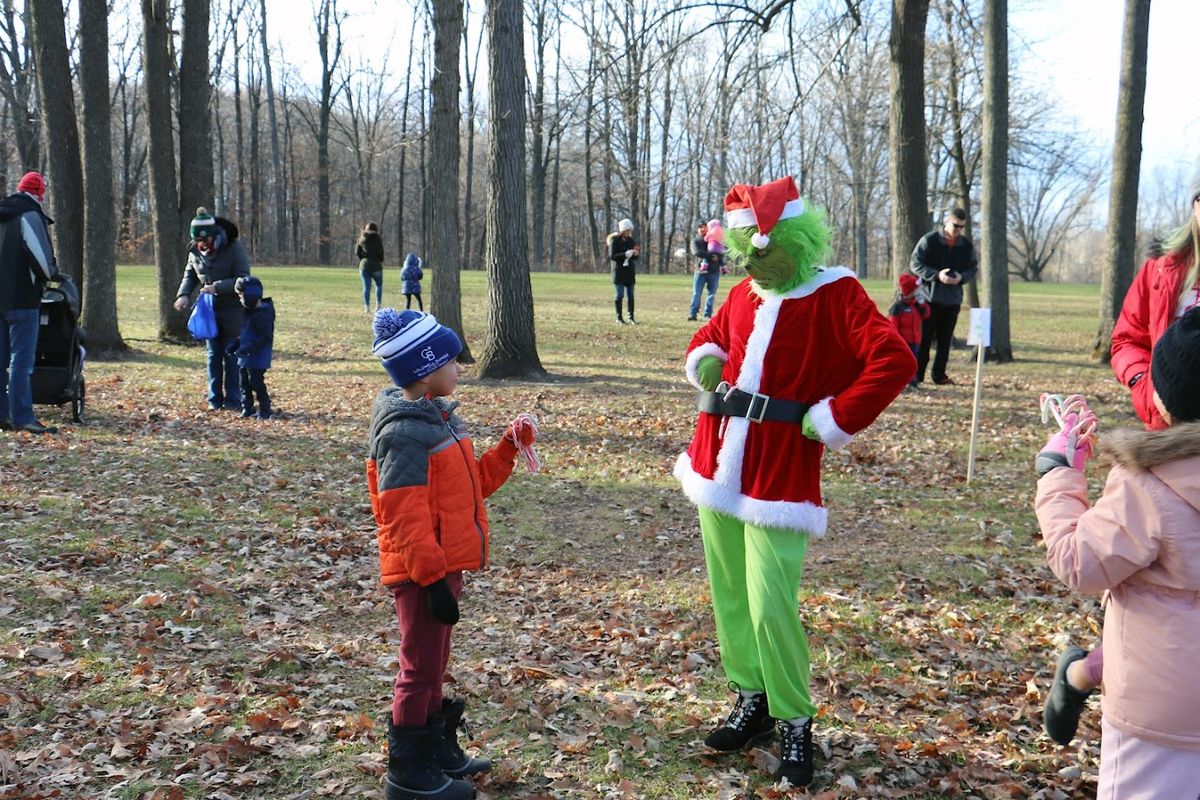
(440, 602)
(232, 348)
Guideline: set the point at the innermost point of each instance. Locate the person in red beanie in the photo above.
(908, 314)
(26, 264)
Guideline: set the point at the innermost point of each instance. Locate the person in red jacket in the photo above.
(1166, 288)
(908, 314)
(427, 492)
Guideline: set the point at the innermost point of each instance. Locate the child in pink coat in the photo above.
(1140, 544)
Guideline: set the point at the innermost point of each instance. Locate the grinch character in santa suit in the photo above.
(797, 359)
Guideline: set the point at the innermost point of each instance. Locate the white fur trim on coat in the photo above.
(822, 419)
(802, 517)
(693, 360)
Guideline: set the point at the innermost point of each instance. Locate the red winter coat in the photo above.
(823, 343)
(1148, 309)
(907, 316)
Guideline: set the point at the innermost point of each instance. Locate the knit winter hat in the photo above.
(624, 225)
(908, 283)
(249, 287)
(1175, 367)
(412, 344)
(203, 224)
(33, 183)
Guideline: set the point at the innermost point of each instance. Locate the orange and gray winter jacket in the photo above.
(427, 488)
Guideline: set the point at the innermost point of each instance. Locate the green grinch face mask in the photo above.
(771, 268)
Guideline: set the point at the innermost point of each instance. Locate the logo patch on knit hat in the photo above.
(412, 344)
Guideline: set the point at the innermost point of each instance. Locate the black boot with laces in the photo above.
(748, 722)
(795, 753)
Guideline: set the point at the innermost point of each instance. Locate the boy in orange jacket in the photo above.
(427, 491)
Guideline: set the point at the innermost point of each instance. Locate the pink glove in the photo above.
(1073, 444)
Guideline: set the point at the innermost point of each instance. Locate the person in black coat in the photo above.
(623, 252)
(944, 260)
(216, 260)
(369, 250)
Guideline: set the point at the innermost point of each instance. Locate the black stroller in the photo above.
(58, 367)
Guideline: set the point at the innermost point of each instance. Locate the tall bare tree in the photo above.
(906, 129)
(329, 45)
(510, 348)
(164, 201)
(60, 133)
(994, 266)
(195, 118)
(99, 247)
(17, 85)
(443, 245)
(277, 183)
(1120, 253)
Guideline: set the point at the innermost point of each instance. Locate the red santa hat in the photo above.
(762, 206)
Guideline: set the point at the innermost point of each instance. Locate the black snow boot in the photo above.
(748, 722)
(620, 318)
(447, 752)
(795, 753)
(412, 773)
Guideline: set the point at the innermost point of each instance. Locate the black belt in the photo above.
(754, 407)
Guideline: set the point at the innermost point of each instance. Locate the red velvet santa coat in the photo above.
(823, 343)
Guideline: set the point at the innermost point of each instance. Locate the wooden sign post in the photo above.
(980, 334)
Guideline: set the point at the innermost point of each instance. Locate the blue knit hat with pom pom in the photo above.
(412, 344)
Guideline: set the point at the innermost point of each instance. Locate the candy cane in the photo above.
(1083, 427)
(527, 452)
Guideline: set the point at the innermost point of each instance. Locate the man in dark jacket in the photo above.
(26, 263)
(215, 261)
(944, 260)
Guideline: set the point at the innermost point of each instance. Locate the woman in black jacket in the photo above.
(369, 250)
(623, 252)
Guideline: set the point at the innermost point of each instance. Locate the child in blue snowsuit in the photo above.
(411, 275)
(253, 347)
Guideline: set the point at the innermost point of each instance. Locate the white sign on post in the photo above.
(980, 334)
(980, 330)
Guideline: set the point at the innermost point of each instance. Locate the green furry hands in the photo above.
(808, 428)
(708, 371)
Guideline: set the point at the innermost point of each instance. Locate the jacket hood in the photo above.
(390, 406)
(1139, 449)
(17, 204)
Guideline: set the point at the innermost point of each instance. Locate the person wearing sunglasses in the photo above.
(216, 259)
(944, 259)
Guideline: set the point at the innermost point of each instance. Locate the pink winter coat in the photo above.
(1141, 542)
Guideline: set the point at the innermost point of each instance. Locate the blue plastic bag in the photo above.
(203, 322)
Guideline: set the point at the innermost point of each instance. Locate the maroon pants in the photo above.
(424, 654)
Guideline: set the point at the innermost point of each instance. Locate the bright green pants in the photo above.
(755, 575)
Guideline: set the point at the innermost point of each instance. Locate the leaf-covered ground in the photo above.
(189, 603)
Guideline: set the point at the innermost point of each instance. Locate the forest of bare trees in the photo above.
(635, 108)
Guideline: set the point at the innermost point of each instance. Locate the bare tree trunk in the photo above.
(100, 251)
(60, 134)
(537, 134)
(1121, 241)
(511, 345)
(195, 118)
(588, 143)
(276, 157)
(906, 129)
(402, 197)
(469, 73)
(994, 270)
(17, 87)
(329, 23)
(443, 249)
(164, 209)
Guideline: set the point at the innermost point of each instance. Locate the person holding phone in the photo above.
(944, 259)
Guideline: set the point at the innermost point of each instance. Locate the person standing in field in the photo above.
(369, 250)
(410, 277)
(623, 252)
(944, 260)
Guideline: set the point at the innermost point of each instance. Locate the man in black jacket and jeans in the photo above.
(26, 264)
(944, 259)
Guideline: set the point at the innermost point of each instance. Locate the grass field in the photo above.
(189, 604)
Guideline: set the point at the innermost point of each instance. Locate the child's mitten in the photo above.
(1073, 444)
(440, 602)
(523, 432)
